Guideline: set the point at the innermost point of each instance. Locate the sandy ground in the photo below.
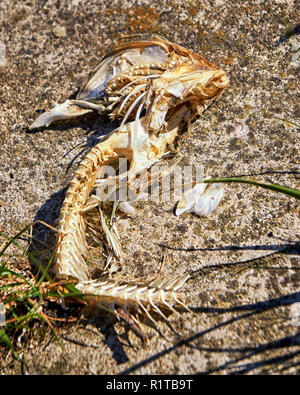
(245, 296)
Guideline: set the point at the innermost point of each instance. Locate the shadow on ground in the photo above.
(235, 364)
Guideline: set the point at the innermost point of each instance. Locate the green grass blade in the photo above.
(6, 340)
(274, 187)
(287, 121)
(13, 239)
(4, 271)
(45, 270)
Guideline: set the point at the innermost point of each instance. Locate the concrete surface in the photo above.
(246, 294)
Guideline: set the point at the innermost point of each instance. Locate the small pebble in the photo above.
(60, 31)
(241, 131)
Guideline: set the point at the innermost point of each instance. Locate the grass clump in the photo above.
(28, 302)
